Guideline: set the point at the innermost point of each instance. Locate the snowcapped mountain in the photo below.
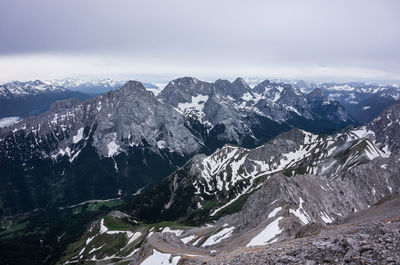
(122, 132)
(19, 89)
(31, 97)
(87, 85)
(233, 172)
(92, 86)
(127, 129)
(242, 200)
(364, 101)
(236, 113)
(125, 141)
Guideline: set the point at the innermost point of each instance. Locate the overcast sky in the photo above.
(321, 40)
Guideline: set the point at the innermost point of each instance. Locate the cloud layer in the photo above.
(293, 39)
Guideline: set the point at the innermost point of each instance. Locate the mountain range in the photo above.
(126, 130)
(240, 201)
(21, 99)
(92, 86)
(198, 172)
(363, 101)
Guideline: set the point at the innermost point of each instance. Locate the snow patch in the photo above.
(301, 213)
(4, 122)
(265, 237)
(326, 218)
(78, 137)
(218, 237)
(160, 258)
(196, 105)
(274, 212)
(112, 148)
(161, 144)
(188, 239)
(134, 237)
(362, 132)
(169, 230)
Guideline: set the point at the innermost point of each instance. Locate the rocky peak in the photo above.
(240, 87)
(235, 89)
(184, 81)
(132, 85)
(222, 84)
(184, 84)
(263, 86)
(239, 82)
(37, 82)
(132, 88)
(183, 89)
(276, 91)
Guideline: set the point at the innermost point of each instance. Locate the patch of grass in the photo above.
(109, 204)
(123, 262)
(113, 245)
(207, 205)
(17, 227)
(117, 224)
(236, 206)
(288, 172)
(166, 224)
(72, 250)
(97, 206)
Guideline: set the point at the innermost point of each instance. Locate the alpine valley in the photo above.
(205, 173)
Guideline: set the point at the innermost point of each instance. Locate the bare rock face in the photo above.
(133, 115)
(236, 113)
(386, 127)
(316, 199)
(128, 116)
(112, 139)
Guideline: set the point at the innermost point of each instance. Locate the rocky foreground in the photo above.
(371, 236)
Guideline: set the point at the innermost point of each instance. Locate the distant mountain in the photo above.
(363, 101)
(92, 86)
(31, 98)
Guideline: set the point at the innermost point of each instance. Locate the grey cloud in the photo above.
(335, 33)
